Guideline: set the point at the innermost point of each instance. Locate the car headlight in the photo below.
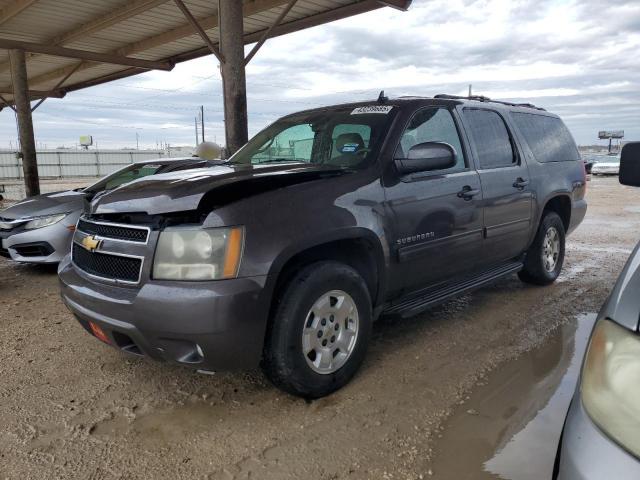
(40, 222)
(198, 254)
(611, 383)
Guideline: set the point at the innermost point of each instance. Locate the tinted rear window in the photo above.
(491, 138)
(547, 137)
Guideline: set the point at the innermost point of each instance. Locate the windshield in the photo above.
(344, 137)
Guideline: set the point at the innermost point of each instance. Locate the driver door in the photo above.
(438, 227)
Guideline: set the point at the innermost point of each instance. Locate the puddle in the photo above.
(510, 426)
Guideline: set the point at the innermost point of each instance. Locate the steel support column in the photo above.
(233, 74)
(25, 122)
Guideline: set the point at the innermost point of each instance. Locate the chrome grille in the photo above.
(114, 231)
(107, 266)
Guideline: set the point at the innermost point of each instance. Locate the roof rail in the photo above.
(481, 98)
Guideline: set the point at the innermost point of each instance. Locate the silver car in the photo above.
(39, 229)
(601, 437)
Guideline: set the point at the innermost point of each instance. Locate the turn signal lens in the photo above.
(233, 254)
(98, 332)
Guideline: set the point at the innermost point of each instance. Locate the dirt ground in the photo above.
(71, 407)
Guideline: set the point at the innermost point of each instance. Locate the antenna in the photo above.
(382, 98)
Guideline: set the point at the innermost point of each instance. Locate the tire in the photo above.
(346, 333)
(537, 266)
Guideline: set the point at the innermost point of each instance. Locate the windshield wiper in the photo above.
(276, 160)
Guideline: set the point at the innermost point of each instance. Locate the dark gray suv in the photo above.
(324, 221)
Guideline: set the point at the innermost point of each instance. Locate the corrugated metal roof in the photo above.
(153, 30)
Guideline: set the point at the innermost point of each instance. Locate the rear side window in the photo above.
(491, 138)
(547, 137)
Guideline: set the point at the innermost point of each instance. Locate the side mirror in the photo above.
(427, 156)
(630, 164)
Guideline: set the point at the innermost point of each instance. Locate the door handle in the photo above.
(520, 183)
(467, 193)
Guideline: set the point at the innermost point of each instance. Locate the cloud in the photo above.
(577, 58)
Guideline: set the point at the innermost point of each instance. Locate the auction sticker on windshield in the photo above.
(384, 109)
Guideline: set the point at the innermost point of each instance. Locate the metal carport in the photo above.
(51, 47)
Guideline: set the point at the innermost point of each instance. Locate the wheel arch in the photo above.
(359, 248)
(559, 203)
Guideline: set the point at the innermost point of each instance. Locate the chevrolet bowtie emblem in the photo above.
(90, 243)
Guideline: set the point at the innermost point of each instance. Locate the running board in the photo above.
(415, 304)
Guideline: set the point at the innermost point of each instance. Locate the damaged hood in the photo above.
(46, 204)
(183, 191)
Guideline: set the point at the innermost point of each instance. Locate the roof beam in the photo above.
(39, 93)
(266, 34)
(317, 19)
(118, 15)
(282, 29)
(196, 26)
(13, 9)
(7, 104)
(186, 30)
(85, 55)
(397, 4)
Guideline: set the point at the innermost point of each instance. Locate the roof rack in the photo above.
(481, 98)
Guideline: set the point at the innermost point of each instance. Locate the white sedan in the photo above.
(608, 166)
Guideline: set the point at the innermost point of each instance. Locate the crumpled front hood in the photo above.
(46, 204)
(183, 191)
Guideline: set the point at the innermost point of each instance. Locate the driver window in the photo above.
(432, 125)
(293, 143)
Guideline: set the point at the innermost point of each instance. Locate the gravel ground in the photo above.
(71, 407)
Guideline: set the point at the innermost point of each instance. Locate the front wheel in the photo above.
(544, 259)
(320, 331)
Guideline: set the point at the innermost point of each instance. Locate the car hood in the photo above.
(606, 164)
(184, 190)
(46, 204)
(623, 305)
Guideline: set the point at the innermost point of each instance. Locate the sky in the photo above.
(577, 58)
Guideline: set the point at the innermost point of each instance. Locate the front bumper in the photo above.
(55, 241)
(586, 453)
(218, 325)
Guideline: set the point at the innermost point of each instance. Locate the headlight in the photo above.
(198, 254)
(40, 222)
(611, 383)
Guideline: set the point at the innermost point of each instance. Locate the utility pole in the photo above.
(195, 123)
(137, 142)
(202, 120)
(25, 121)
(469, 90)
(234, 83)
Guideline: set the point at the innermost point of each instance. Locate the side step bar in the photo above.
(415, 304)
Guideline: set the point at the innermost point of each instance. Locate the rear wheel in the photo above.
(320, 331)
(544, 259)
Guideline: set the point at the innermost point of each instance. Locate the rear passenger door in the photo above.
(506, 185)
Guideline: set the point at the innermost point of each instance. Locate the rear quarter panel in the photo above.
(553, 179)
